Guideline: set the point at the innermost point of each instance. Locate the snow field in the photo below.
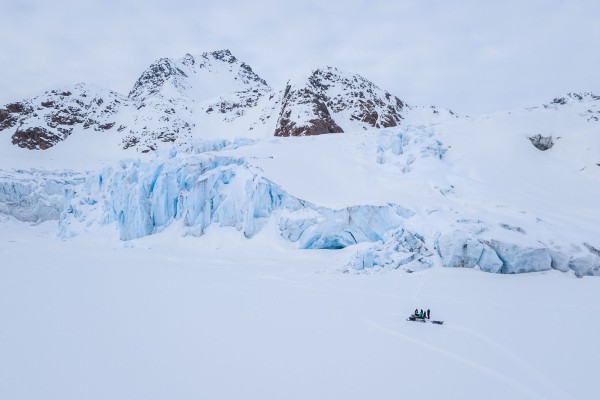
(222, 316)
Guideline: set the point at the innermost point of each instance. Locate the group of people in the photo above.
(421, 313)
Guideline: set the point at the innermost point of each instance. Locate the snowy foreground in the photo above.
(225, 317)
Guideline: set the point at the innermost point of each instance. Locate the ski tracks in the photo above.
(518, 386)
(512, 356)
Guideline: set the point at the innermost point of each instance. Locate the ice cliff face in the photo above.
(36, 196)
(187, 181)
(204, 190)
(411, 251)
(195, 189)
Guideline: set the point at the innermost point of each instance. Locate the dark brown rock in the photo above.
(321, 123)
(64, 117)
(35, 138)
(7, 120)
(327, 93)
(16, 107)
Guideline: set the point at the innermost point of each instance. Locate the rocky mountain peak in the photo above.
(206, 95)
(41, 122)
(223, 55)
(333, 101)
(196, 78)
(152, 79)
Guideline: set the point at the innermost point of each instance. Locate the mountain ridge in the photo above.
(209, 95)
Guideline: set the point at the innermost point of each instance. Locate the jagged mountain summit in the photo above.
(42, 121)
(330, 101)
(177, 98)
(211, 95)
(196, 78)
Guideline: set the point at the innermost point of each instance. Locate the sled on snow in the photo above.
(416, 318)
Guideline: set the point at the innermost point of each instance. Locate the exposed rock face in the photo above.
(362, 99)
(154, 78)
(188, 73)
(9, 116)
(542, 143)
(47, 119)
(329, 99)
(317, 119)
(592, 114)
(7, 119)
(175, 99)
(573, 97)
(174, 95)
(35, 138)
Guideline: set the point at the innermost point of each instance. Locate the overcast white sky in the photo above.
(472, 56)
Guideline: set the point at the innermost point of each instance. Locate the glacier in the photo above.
(36, 196)
(198, 185)
(198, 190)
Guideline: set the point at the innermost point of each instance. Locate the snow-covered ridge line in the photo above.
(168, 76)
(209, 95)
(329, 98)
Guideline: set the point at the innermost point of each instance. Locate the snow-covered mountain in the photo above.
(206, 229)
(196, 78)
(45, 120)
(411, 187)
(330, 101)
(212, 95)
(185, 93)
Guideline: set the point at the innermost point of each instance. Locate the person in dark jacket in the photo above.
(428, 313)
(416, 312)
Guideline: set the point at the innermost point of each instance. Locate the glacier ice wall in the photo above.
(459, 249)
(400, 248)
(196, 190)
(408, 250)
(335, 229)
(36, 196)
